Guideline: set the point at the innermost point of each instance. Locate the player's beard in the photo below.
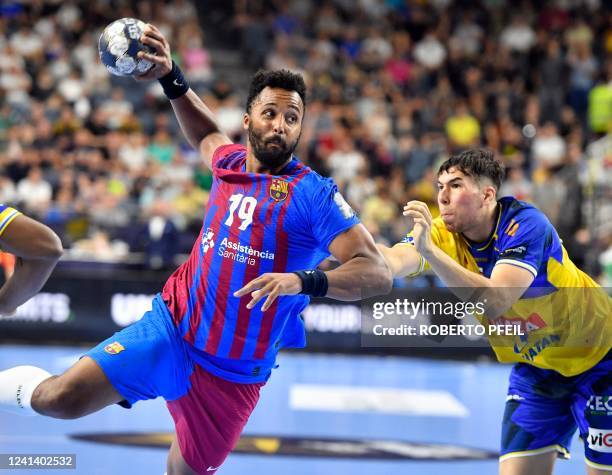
(270, 158)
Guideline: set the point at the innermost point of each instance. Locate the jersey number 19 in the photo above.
(246, 208)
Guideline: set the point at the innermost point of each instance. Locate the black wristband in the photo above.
(314, 282)
(174, 83)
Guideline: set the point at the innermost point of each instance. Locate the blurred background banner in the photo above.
(87, 302)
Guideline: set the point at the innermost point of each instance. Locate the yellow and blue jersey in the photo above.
(565, 317)
(7, 215)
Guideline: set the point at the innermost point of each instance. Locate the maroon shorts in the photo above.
(210, 417)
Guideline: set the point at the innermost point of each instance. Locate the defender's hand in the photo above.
(161, 59)
(410, 222)
(273, 285)
(418, 212)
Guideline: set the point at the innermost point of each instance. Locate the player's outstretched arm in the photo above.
(402, 259)
(498, 292)
(37, 249)
(197, 121)
(363, 273)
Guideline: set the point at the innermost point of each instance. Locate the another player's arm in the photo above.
(498, 293)
(402, 259)
(37, 249)
(197, 121)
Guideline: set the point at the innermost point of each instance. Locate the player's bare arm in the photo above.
(402, 259)
(197, 121)
(505, 286)
(37, 249)
(363, 272)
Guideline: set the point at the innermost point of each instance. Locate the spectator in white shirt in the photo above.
(34, 192)
(548, 147)
(345, 162)
(430, 52)
(518, 36)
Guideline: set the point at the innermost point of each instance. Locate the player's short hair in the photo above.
(477, 163)
(282, 79)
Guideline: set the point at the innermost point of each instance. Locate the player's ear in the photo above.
(245, 121)
(490, 193)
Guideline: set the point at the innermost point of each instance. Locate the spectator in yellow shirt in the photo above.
(463, 129)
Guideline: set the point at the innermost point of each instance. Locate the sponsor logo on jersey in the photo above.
(522, 344)
(344, 207)
(114, 348)
(530, 353)
(600, 440)
(532, 323)
(279, 189)
(207, 240)
(517, 252)
(242, 253)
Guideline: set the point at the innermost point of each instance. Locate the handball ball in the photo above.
(120, 43)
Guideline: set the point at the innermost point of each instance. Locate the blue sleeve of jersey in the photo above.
(526, 241)
(330, 214)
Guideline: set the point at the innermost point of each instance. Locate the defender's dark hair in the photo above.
(477, 163)
(281, 78)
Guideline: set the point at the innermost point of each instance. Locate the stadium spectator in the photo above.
(33, 191)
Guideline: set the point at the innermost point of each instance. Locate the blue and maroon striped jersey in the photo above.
(254, 223)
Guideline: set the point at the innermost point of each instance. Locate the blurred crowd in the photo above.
(395, 86)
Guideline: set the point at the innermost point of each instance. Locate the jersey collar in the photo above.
(288, 169)
(481, 246)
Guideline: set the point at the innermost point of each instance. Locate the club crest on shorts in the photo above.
(114, 348)
(279, 189)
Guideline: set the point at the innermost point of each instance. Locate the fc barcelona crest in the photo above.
(279, 189)
(114, 348)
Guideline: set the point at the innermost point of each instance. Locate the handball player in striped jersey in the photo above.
(211, 339)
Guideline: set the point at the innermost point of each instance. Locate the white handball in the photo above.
(119, 45)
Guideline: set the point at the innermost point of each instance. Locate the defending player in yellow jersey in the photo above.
(36, 248)
(506, 253)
